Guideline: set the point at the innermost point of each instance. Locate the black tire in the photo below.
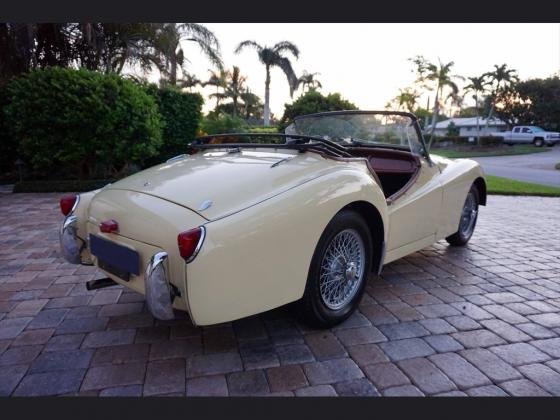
(538, 142)
(460, 238)
(312, 307)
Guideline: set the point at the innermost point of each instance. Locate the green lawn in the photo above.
(518, 149)
(505, 186)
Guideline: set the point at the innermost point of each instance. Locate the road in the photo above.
(537, 168)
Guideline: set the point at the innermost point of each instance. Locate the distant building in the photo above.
(467, 126)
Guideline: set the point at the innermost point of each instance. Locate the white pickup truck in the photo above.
(529, 134)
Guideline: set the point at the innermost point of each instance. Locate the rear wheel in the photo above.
(467, 223)
(538, 142)
(338, 272)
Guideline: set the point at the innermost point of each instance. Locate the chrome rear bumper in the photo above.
(70, 244)
(158, 292)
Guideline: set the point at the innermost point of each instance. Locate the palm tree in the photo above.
(436, 77)
(251, 103)
(189, 81)
(271, 57)
(217, 79)
(477, 86)
(235, 84)
(308, 80)
(169, 56)
(406, 99)
(500, 78)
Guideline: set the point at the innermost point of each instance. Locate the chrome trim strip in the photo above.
(75, 206)
(199, 245)
(174, 158)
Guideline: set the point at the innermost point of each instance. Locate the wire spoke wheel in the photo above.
(342, 269)
(468, 215)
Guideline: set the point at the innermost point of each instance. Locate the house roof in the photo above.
(468, 122)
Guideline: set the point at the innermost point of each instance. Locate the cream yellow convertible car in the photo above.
(248, 222)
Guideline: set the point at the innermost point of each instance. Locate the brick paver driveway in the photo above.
(480, 320)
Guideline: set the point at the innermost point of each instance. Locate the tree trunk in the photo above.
(477, 121)
(266, 114)
(491, 109)
(434, 118)
(235, 106)
(173, 75)
(217, 97)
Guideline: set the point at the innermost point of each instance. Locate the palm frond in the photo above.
(282, 46)
(248, 43)
(286, 66)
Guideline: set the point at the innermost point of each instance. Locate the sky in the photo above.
(368, 63)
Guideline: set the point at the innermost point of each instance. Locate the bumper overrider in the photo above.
(158, 293)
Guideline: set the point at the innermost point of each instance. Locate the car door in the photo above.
(516, 135)
(413, 217)
(526, 135)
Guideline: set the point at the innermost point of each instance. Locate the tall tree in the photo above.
(252, 104)
(189, 81)
(406, 99)
(218, 80)
(235, 84)
(169, 55)
(273, 57)
(436, 77)
(477, 86)
(500, 78)
(308, 81)
(532, 101)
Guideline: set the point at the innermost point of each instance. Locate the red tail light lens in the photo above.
(190, 242)
(66, 204)
(109, 226)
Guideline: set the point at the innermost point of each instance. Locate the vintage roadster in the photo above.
(245, 223)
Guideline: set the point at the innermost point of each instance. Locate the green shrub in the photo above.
(458, 141)
(490, 141)
(222, 123)
(82, 120)
(452, 129)
(181, 114)
(449, 141)
(312, 102)
(8, 145)
(265, 130)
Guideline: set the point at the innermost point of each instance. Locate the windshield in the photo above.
(536, 129)
(361, 128)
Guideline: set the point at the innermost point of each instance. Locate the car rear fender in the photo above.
(258, 259)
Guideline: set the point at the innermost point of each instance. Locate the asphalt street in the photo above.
(537, 168)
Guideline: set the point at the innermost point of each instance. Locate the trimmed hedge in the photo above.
(218, 123)
(8, 145)
(181, 114)
(60, 186)
(457, 141)
(80, 122)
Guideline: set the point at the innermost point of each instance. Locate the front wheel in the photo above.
(339, 270)
(469, 215)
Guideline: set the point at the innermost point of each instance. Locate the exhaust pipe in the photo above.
(100, 283)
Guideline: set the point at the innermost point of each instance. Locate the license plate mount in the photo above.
(114, 258)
